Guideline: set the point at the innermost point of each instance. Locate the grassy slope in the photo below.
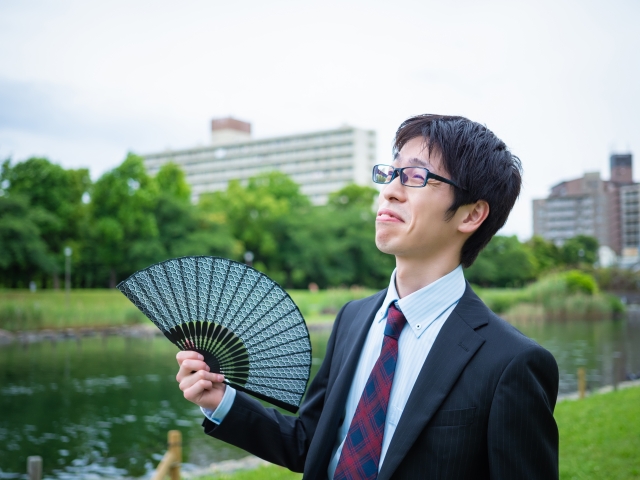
(23, 310)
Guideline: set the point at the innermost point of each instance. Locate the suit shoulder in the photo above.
(493, 328)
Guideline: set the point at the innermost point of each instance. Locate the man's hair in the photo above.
(475, 159)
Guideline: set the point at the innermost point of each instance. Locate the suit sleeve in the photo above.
(522, 433)
(267, 433)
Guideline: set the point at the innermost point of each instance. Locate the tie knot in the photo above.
(395, 322)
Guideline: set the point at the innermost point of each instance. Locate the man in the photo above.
(421, 380)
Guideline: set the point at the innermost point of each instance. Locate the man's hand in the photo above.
(197, 383)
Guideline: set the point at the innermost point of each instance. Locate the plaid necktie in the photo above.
(360, 455)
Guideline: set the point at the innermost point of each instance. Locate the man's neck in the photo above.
(413, 274)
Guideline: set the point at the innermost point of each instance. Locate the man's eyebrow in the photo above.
(413, 161)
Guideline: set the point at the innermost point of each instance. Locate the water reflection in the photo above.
(102, 408)
(98, 408)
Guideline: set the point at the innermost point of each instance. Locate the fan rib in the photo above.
(263, 315)
(274, 401)
(183, 279)
(274, 322)
(235, 292)
(226, 275)
(288, 353)
(269, 367)
(248, 295)
(161, 297)
(273, 285)
(173, 294)
(256, 352)
(141, 305)
(271, 387)
(157, 305)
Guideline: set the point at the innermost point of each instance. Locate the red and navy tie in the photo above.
(360, 455)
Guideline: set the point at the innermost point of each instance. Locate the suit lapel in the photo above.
(454, 346)
(353, 335)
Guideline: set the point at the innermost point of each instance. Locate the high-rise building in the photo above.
(320, 162)
(591, 206)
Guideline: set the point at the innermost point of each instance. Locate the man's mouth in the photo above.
(385, 215)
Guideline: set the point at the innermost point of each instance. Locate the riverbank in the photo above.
(557, 297)
(598, 439)
(552, 298)
(100, 309)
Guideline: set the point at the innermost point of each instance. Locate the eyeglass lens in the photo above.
(409, 176)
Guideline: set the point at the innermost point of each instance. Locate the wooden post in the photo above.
(170, 463)
(582, 382)
(34, 467)
(616, 369)
(175, 449)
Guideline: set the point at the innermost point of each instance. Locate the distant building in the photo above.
(320, 162)
(592, 206)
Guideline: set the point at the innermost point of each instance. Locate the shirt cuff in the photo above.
(217, 415)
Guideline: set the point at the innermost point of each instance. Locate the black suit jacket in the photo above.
(482, 406)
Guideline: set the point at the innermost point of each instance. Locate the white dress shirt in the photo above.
(426, 311)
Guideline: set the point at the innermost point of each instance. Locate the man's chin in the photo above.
(384, 246)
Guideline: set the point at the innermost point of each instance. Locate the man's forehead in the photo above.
(416, 152)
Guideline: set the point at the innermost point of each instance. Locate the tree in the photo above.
(546, 253)
(580, 249)
(124, 229)
(259, 216)
(504, 262)
(52, 189)
(24, 255)
(185, 229)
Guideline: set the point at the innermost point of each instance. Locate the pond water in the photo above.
(101, 407)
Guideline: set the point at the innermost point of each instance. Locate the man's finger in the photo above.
(195, 392)
(188, 355)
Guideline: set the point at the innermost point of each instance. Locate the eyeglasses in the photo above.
(415, 177)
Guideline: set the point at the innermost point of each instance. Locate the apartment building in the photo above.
(320, 162)
(592, 206)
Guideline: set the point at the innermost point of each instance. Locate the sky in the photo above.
(83, 83)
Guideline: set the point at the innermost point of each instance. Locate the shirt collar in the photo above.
(426, 305)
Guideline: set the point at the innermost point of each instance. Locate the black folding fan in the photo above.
(243, 323)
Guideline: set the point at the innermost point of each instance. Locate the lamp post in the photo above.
(67, 272)
(248, 258)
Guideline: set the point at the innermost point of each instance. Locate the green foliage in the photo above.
(548, 256)
(504, 262)
(131, 220)
(618, 279)
(580, 282)
(558, 296)
(23, 251)
(354, 196)
(581, 249)
(599, 436)
(53, 197)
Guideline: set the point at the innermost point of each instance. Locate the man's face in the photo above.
(411, 221)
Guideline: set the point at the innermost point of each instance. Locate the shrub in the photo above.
(580, 282)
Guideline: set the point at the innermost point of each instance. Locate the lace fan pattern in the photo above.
(243, 323)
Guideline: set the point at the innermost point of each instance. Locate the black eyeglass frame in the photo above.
(397, 172)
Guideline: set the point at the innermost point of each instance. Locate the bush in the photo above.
(580, 282)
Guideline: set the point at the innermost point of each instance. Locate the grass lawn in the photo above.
(600, 436)
(95, 308)
(271, 472)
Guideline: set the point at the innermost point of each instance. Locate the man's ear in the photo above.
(473, 216)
